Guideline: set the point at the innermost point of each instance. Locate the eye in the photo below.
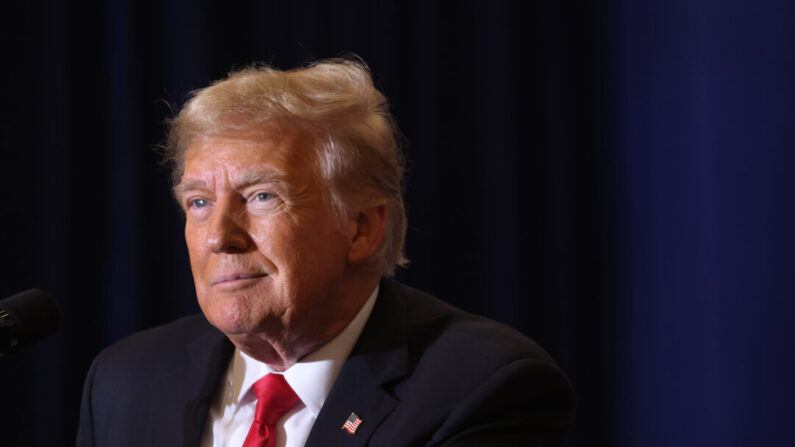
(263, 196)
(260, 202)
(197, 203)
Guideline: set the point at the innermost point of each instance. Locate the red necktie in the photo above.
(274, 398)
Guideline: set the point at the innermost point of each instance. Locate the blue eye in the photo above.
(263, 196)
(198, 203)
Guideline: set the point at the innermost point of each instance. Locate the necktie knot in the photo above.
(274, 398)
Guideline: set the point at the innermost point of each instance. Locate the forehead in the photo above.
(279, 149)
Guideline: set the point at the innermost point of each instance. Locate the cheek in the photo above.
(277, 239)
(190, 242)
(193, 236)
(325, 253)
(306, 248)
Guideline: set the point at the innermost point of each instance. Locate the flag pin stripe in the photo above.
(352, 423)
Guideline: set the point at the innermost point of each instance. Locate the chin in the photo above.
(232, 315)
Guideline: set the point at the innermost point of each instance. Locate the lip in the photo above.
(236, 278)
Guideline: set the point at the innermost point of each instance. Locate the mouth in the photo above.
(237, 278)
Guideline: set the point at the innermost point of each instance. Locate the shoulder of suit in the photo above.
(159, 346)
(442, 327)
(452, 352)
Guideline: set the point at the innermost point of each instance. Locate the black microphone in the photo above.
(26, 318)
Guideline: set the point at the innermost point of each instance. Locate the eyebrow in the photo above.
(187, 185)
(258, 178)
(244, 182)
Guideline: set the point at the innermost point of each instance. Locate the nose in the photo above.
(227, 232)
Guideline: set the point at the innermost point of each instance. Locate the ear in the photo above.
(370, 225)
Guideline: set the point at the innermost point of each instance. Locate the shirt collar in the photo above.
(311, 377)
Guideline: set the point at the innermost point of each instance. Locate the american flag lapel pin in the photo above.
(352, 423)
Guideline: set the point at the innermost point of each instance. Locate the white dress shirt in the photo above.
(232, 412)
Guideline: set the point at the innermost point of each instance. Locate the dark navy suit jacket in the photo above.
(421, 373)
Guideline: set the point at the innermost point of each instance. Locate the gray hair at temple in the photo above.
(358, 155)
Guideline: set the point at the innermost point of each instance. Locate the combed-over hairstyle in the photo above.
(358, 155)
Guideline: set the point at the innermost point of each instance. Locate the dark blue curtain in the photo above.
(612, 178)
(701, 111)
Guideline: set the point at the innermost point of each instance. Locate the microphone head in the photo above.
(26, 318)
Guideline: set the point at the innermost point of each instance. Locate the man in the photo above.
(294, 221)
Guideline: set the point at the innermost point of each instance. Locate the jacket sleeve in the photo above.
(526, 402)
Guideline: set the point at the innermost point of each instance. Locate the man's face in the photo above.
(268, 254)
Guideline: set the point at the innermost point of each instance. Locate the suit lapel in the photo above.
(193, 383)
(380, 356)
(209, 358)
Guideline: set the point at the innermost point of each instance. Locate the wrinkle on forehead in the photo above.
(284, 158)
(273, 133)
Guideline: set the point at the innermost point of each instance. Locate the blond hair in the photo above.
(358, 155)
